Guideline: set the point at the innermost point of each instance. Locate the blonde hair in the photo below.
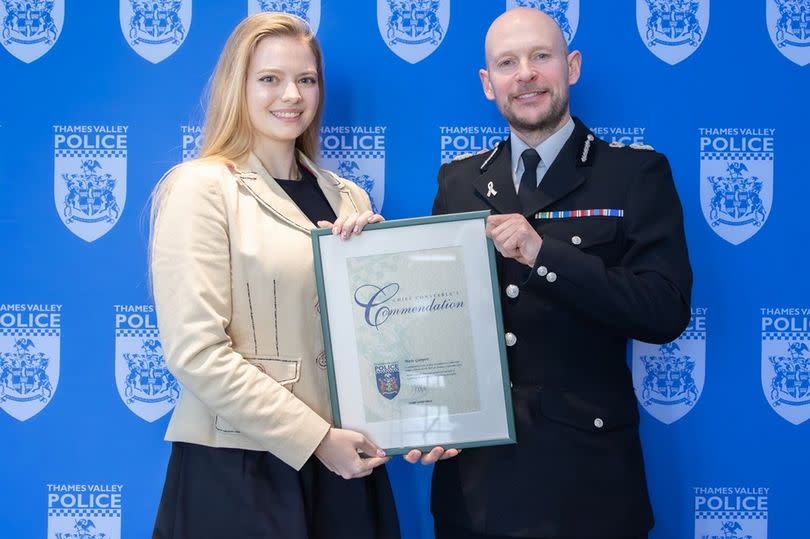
(227, 132)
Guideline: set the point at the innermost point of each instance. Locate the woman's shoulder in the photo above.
(198, 177)
(194, 173)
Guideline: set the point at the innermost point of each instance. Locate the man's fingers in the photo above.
(498, 218)
(515, 222)
(450, 453)
(434, 455)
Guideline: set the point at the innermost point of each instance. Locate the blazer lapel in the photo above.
(564, 175)
(495, 183)
(259, 183)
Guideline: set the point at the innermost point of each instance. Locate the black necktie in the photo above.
(528, 182)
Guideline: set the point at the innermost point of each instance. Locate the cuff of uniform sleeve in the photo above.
(543, 271)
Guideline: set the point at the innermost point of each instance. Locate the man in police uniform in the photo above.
(591, 253)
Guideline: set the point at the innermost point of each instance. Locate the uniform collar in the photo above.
(549, 149)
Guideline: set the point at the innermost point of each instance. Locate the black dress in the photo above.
(221, 493)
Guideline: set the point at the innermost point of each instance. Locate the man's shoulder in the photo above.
(469, 158)
(469, 161)
(620, 153)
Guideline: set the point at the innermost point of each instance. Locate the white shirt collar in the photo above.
(549, 149)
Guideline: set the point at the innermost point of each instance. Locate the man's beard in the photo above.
(547, 122)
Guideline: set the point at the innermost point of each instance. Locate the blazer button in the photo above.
(551, 277)
(576, 240)
(512, 291)
(542, 271)
(510, 339)
(598, 423)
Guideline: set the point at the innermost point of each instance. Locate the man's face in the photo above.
(528, 72)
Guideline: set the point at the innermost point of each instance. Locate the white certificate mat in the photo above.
(413, 333)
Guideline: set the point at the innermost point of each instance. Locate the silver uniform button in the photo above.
(598, 423)
(551, 277)
(510, 339)
(576, 240)
(542, 271)
(512, 291)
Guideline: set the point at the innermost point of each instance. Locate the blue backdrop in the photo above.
(100, 98)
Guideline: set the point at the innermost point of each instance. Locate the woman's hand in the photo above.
(339, 452)
(351, 224)
(437, 453)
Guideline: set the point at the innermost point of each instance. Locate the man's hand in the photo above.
(514, 237)
(437, 453)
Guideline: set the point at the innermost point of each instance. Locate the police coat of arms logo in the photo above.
(413, 29)
(155, 29)
(669, 378)
(786, 377)
(309, 10)
(388, 383)
(144, 382)
(736, 197)
(789, 28)
(31, 27)
(83, 528)
(672, 29)
(729, 530)
(736, 193)
(89, 198)
(28, 376)
(90, 178)
(564, 12)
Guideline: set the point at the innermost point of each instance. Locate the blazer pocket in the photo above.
(582, 232)
(595, 412)
(285, 370)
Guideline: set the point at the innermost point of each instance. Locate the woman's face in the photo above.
(282, 90)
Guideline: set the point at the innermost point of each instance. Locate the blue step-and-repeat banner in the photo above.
(100, 97)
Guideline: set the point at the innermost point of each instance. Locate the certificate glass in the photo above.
(413, 333)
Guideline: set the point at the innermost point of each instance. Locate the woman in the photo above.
(253, 451)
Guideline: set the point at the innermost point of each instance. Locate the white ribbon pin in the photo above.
(491, 192)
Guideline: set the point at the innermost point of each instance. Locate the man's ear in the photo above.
(574, 65)
(485, 83)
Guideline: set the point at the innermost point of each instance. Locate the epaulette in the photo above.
(634, 146)
(463, 156)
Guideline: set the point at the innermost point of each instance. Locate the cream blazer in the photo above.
(237, 307)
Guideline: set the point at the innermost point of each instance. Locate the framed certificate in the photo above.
(413, 333)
